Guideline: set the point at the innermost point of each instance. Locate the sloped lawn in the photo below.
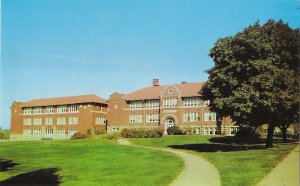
(238, 164)
(85, 162)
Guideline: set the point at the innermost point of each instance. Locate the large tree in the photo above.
(255, 77)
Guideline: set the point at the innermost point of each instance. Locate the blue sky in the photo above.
(53, 48)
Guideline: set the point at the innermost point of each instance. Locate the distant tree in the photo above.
(255, 77)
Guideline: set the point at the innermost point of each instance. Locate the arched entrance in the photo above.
(169, 122)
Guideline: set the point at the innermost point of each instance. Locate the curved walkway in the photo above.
(286, 173)
(197, 171)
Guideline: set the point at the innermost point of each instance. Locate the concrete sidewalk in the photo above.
(197, 171)
(286, 173)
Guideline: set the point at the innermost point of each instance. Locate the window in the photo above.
(191, 102)
(233, 130)
(61, 132)
(49, 131)
(210, 116)
(152, 103)
(191, 117)
(72, 131)
(136, 118)
(27, 121)
(49, 110)
(100, 120)
(135, 104)
(73, 108)
(206, 103)
(61, 121)
(48, 121)
(73, 120)
(27, 111)
(62, 109)
(37, 121)
(37, 131)
(152, 117)
(26, 131)
(170, 102)
(37, 110)
(209, 130)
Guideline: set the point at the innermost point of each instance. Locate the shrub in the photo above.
(1, 135)
(188, 131)
(246, 132)
(79, 135)
(100, 131)
(141, 133)
(174, 130)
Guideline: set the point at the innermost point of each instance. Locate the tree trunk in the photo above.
(269, 141)
(283, 131)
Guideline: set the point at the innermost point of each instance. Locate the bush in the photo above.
(1, 135)
(141, 133)
(79, 135)
(174, 130)
(246, 132)
(188, 131)
(100, 131)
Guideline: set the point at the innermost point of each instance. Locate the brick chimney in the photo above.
(155, 82)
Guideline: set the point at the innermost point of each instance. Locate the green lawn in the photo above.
(92, 162)
(237, 166)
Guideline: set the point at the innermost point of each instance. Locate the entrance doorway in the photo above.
(169, 122)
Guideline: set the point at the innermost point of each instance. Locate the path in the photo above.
(197, 171)
(285, 173)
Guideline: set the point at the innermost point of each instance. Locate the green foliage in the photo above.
(5, 133)
(1, 135)
(247, 132)
(141, 133)
(174, 130)
(255, 77)
(79, 135)
(188, 130)
(100, 131)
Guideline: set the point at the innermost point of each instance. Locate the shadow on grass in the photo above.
(39, 177)
(6, 165)
(217, 147)
(236, 140)
(247, 141)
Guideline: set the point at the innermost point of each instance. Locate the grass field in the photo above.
(238, 164)
(86, 162)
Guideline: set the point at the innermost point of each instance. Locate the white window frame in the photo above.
(170, 102)
(210, 116)
(37, 121)
(62, 109)
(100, 120)
(37, 110)
(27, 121)
(49, 131)
(48, 121)
(73, 108)
(191, 117)
(152, 103)
(37, 131)
(138, 104)
(61, 121)
(73, 120)
(49, 110)
(27, 111)
(191, 101)
(152, 118)
(136, 118)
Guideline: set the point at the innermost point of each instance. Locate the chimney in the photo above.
(155, 82)
(183, 82)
